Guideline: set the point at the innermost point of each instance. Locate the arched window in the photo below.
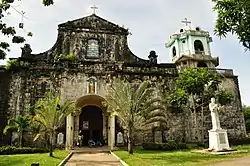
(198, 47)
(201, 64)
(174, 51)
(92, 49)
(92, 85)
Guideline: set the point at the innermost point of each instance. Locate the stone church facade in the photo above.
(88, 54)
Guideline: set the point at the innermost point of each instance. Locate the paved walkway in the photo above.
(97, 159)
(242, 161)
(92, 157)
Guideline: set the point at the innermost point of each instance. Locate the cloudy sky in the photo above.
(150, 21)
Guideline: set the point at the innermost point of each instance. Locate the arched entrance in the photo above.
(92, 119)
(91, 124)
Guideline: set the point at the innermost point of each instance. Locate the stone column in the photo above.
(69, 132)
(111, 138)
(104, 129)
(76, 128)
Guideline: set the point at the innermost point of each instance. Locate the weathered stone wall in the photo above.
(5, 78)
(231, 118)
(73, 84)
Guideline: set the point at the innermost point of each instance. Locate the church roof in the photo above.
(93, 23)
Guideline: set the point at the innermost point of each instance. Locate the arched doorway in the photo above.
(91, 124)
(92, 119)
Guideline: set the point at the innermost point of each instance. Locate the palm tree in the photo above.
(135, 107)
(20, 124)
(51, 115)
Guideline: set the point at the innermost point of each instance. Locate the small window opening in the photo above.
(198, 47)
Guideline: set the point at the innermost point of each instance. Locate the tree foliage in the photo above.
(20, 124)
(9, 30)
(234, 18)
(201, 85)
(15, 64)
(177, 100)
(50, 114)
(135, 107)
(194, 81)
(246, 110)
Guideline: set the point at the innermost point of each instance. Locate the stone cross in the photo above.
(185, 21)
(94, 8)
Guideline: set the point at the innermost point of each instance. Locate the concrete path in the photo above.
(242, 161)
(93, 159)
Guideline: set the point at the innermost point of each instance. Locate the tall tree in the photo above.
(20, 124)
(233, 17)
(134, 106)
(50, 113)
(9, 30)
(194, 89)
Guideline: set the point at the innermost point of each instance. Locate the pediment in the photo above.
(94, 22)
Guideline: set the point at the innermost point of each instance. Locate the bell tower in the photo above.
(190, 47)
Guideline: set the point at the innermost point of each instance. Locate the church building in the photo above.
(88, 54)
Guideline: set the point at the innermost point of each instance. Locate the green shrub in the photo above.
(5, 150)
(240, 141)
(165, 146)
(170, 146)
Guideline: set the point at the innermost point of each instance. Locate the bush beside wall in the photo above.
(170, 146)
(6, 150)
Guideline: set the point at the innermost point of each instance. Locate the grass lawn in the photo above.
(176, 158)
(27, 159)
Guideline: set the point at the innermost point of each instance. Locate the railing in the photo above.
(199, 52)
(225, 72)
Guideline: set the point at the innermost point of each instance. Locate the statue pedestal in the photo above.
(218, 140)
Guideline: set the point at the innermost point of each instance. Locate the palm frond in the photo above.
(8, 128)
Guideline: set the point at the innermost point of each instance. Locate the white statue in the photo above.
(213, 107)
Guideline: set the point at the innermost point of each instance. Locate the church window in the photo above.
(174, 51)
(92, 85)
(93, 49)
(198, 47)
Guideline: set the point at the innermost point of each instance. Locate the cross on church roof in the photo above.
(94, 8)
(185, 21)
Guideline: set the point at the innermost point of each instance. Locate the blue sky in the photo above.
(151, 22)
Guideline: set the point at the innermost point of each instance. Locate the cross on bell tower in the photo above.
(186, 22)
(94, 8)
